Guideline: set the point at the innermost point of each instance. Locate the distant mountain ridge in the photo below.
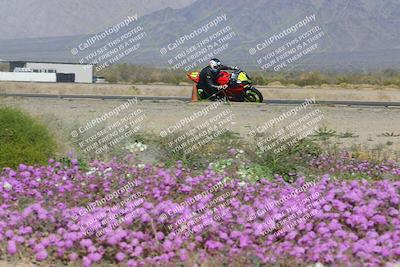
(359, 34)
(54, 18)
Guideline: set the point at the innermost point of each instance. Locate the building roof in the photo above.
(46, 62)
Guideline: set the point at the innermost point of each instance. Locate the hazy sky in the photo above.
(43, 18)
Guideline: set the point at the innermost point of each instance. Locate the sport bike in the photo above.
(240, 87)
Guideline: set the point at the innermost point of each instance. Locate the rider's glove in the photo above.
(222, 87)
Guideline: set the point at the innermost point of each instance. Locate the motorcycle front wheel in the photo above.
(253, 95)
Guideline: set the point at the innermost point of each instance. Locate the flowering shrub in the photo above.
(136, 147)
(344, 166)
(54, 214)
(240, 166)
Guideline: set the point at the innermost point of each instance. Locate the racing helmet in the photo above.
(215, 64)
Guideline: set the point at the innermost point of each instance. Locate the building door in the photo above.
(65, 77)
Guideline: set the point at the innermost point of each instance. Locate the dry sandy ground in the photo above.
(63, 116)
(368, 124)
(366, 93)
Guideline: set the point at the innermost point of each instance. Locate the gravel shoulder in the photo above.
(369, 127)
(364, 93)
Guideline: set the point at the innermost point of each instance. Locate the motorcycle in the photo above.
(240, 88)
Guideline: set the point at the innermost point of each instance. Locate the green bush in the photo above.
(290, 160)
(211, 151)
(23, 140)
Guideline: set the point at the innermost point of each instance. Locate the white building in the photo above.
(36, 71)
(28, 77)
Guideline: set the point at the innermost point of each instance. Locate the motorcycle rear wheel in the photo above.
(253, 95)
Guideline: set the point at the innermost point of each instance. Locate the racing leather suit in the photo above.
(208, 79)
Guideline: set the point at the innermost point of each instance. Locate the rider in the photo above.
(209, 76)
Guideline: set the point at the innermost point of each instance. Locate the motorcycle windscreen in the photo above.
(242, 77)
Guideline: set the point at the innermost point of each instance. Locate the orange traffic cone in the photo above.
(195, 97)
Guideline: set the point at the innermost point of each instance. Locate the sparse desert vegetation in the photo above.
(125, 73)
(142, 204)
(210, 209)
